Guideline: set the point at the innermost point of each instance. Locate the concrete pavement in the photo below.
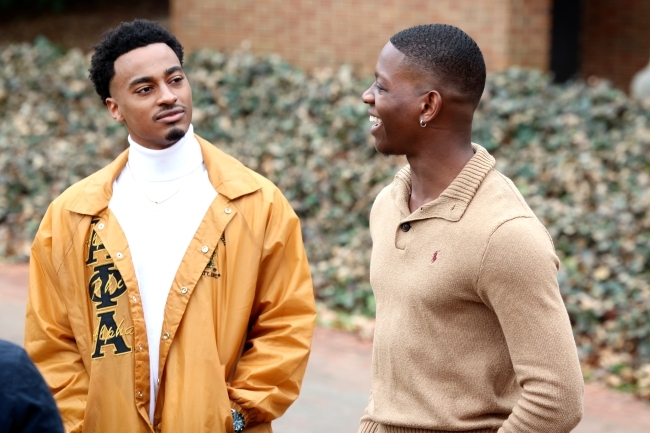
(13, 294)
(336, 386)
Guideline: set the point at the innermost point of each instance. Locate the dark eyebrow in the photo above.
(142, 80)
(173, 69)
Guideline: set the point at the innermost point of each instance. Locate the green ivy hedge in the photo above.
(579, 153)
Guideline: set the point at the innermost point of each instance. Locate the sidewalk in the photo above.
(336, 386)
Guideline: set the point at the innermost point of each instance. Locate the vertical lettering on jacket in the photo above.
(104, 288)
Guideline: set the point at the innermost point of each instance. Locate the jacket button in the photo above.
(166, 336)
(139, 394)
(100, 226)
(183, 290)
(227, 210)
(119, 255)
(405, 227)
(205, 249)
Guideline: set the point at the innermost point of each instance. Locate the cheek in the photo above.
(188, 96)
(137, 117)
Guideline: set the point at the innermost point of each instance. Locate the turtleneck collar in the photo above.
(172, 163)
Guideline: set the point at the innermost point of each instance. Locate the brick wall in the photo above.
(530, 33)
(315, 33)
(615, 39)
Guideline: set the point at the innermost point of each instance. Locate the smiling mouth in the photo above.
(375, 120)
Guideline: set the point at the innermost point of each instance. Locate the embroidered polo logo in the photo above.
(211, 268)
(434, 257)
(104, 288)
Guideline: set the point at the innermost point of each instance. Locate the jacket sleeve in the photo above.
(27, 404)
(49, 340)
(269, 374)
(518, 280)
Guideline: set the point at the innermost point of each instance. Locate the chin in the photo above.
(386, 150)
(175, 134)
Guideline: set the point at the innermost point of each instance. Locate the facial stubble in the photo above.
(174, 135)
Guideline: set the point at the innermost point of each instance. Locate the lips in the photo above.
(377, 123)
(170, 116)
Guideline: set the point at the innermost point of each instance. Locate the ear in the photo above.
(114, 109)
(431, 105)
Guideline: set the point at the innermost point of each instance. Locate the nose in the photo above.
(368, 96)
(167, 96)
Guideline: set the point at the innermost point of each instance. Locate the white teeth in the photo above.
(375, 119)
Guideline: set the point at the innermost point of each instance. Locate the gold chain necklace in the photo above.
(159, 202)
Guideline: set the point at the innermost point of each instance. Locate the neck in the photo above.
(435, 167)
(167, 164)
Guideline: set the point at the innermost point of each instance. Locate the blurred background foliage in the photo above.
(579, 153)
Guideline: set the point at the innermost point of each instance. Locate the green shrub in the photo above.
(579, 153)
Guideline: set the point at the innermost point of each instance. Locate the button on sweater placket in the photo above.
(403, 234)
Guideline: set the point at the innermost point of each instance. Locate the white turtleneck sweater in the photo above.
(159, 234)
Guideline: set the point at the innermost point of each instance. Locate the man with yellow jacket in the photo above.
(169, 291)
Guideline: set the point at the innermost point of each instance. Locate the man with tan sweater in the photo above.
(472, 334)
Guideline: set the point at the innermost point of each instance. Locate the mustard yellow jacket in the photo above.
(238, 319)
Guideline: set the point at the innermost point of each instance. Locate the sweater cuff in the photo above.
(368, 426)
(242, 411)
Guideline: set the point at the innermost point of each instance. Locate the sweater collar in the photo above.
(227, 175)
(455, 199)
(171, 163)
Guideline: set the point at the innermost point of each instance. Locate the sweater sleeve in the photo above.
(518, 281)
(49, 339)
(367, 425)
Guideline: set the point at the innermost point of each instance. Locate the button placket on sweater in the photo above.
(450, 205)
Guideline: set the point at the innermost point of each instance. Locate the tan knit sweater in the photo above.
(472, 334)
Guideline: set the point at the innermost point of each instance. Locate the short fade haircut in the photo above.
(120, 40)
(446, 53)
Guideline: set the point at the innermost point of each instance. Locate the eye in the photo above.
(381, 89)
(143, 90)
(177, 80)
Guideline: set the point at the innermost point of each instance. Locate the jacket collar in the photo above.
(227, 175)
(453, 201)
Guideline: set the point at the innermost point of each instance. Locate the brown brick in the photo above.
(615, 39)
(315, 33)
